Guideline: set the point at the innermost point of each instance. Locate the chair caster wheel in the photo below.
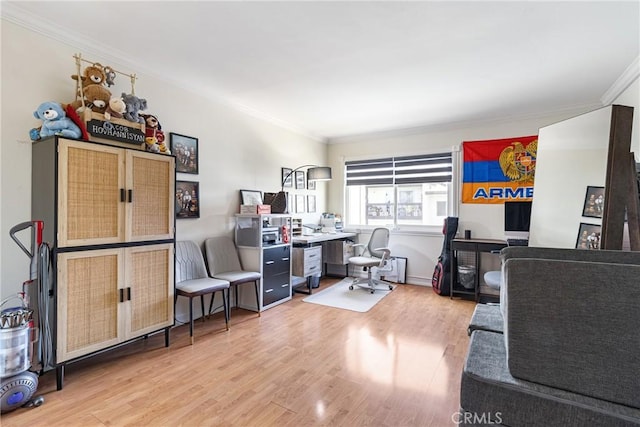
(390, 287)
(372, 290)
(350, 287)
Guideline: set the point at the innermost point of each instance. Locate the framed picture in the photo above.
(311, 185)
(286, 177)
(299, 203)
(593, 202)
(185, 148)
(588, 236)
(187, 199)
(300, 180)
(251, 197)
(311, 204)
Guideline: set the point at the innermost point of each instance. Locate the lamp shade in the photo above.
(320, 173)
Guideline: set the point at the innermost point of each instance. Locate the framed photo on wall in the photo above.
(588, 236)
(286, 177)
(311, 204)
(300, 180)
(187, 199)
(299, 203)
(593, 202)
(311, 185)
(185, 148)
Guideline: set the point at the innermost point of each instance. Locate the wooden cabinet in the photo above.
(108, 296)
(113, 195)
(263, 243)
(109, 218)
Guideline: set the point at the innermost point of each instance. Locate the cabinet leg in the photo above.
(59, 376)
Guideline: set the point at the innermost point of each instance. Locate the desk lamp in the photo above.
(314, 173)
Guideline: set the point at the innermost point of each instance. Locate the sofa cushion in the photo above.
(575, 325)
(486, 317)
(489, 392)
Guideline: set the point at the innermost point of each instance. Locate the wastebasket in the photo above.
(466, 276)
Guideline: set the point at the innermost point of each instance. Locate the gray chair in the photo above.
(192, 280)
(224, 263)
(373, 254)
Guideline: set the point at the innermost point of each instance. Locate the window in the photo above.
(398, 191)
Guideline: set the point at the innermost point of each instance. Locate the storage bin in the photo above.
(466, 276)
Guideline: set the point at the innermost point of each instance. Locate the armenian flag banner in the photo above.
(499, 169)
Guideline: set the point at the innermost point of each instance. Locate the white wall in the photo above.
(484, 221)
(236, 151)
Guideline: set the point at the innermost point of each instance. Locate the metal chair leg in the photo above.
(226, 308)
(191, 319)
(257, 297)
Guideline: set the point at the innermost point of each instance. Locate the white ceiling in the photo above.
(332, 69)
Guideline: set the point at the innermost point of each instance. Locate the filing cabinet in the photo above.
(263, 243)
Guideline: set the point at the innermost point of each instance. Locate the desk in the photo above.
(476, 246)
(308, 257)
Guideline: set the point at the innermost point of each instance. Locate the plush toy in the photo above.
(93, 74)
(154, 137)
(110, 75)
(134, 106)
(96, 98)
(55, 121)
(115, 109)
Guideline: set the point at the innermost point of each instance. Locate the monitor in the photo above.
(517, 217)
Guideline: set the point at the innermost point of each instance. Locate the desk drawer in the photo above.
(307, 261)
(275, 261)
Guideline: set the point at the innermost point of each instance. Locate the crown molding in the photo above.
(627, 77)
(12, 12)
(461, 124)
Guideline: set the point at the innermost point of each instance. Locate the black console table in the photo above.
(476, 246)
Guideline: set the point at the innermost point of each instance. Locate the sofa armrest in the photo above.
(574, 325)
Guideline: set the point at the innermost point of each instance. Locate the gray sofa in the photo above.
(563, 346)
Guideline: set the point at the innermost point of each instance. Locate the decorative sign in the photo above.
(499, 170)
(131, 134)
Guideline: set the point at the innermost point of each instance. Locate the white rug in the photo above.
(340, 296)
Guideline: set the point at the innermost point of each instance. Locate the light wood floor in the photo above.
(299, 364)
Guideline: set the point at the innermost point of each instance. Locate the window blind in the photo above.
(416, 169)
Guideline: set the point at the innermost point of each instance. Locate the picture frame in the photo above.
(300, 181)
(286, 177)
(185, 148)
(311, 185)
(187, 199)
(251, 197)
(593, 202)
(589, 236)
(311, 204)
(299, 203)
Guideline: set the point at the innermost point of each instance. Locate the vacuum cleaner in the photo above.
(25, 334)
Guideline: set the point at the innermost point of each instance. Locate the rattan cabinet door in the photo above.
(90, 186)
(150, 207)
(88, 302)
(149, 289)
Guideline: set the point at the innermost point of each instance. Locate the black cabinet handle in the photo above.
(130, 195)
(122, 195)
(121, 294)
(129, 294)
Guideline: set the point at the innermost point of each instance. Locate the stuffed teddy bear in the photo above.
(134, 106)
(115, 109)
(93, 74)
(55, 121)
(96, 98)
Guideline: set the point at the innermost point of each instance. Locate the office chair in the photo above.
(192, 280)
(224, 264)
(378, 255)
